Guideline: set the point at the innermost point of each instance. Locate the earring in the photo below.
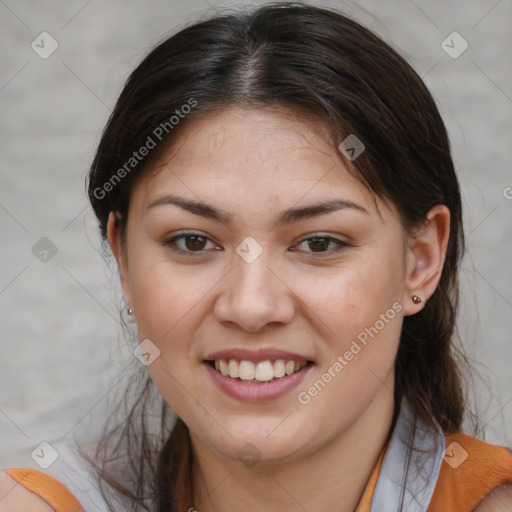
(129, 311)
(416, 299)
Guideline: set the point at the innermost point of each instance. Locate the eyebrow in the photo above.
(287, 216)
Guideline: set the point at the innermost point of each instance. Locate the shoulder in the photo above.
(14, 497)
(499, 500)
(473, 474)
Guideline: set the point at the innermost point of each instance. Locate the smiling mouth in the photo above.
(260, 372)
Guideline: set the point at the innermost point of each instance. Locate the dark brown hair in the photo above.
(315, 61)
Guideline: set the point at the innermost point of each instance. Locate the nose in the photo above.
(254, 295)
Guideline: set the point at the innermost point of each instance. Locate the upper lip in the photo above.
(242, 354)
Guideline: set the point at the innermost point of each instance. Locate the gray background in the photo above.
(61, 346)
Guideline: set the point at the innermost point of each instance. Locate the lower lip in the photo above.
(257, 392)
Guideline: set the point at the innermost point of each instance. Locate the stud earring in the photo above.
(129, 311)
(416, 299)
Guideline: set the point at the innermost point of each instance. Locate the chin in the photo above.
(266, 442)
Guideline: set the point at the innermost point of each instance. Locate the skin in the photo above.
(254, 164)
(499, 500)
(14, 497)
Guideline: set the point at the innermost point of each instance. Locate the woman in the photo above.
(278, 192)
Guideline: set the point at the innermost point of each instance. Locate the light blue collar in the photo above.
(410, 466)
(406, 480)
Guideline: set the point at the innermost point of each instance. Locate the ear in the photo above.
(119, 252)
(426, 252)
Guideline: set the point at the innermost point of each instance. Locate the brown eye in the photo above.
(189, 243)
(195, 242)
(320, 245)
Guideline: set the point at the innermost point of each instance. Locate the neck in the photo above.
(331, 478)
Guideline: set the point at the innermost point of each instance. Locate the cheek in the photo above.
(156, 289)
(164, 299)
(361, 319)
(360, 307)
(352, 299)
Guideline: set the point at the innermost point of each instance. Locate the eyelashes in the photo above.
(338, 244)
(185, 243)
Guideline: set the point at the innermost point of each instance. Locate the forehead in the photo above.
(265, 154)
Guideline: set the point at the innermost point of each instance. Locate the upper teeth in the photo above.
(262, 371)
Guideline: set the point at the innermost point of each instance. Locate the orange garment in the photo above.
(462, 488)
(51, 490)
(366, 499)
(61, 499)
(458, 489)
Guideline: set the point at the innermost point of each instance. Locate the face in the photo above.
(262, 284)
